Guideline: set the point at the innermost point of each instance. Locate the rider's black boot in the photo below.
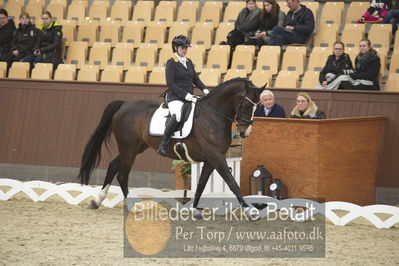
(169, 129)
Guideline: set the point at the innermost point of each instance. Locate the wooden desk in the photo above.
(334, 159)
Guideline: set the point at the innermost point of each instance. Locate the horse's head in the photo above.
(246, 107)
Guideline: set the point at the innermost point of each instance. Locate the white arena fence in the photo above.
(62, 190)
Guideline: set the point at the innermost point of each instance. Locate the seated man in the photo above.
(268, 107)
(297, 27)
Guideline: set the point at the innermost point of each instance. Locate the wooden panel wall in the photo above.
(49, 122)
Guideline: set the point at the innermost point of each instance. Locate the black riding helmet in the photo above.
(180, 40)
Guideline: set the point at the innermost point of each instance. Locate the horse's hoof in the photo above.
(197, 214)
(93, 205)
(252, 214)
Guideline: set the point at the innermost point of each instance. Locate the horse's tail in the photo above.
(92, 154)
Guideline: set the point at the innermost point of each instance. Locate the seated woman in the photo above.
(24, 42)
(306, 108)
(337, 64)
(377, 11)
(247, 21)
(50, 41)
(268, 106)
(365, 74)
(270, 16)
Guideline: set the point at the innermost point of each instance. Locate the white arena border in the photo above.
(354, 211)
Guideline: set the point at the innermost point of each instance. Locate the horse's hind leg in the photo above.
(113, 168)
(205, 173)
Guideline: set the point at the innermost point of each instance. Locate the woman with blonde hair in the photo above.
(306, 108)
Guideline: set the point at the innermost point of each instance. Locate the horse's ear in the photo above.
(261, 89)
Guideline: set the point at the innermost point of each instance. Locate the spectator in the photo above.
(376, 12)
(50, 41)
(392, 18)
(297, 27)
(306, 108)
(337, 64)
(25, 41)
(247, 21)
(7, 28)
(365, 74)
(270, 16)
(268, 106)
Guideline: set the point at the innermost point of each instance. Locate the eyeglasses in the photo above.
(338, 49)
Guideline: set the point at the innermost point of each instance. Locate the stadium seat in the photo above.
(3, 69)
(355, 11)
(68, 31)
(268, 60)
(14, 9)
(210, 76)
(380, 35)
(394, 66)
(38, 73)
(16, 72)
(242, 60)
(143, 12)
(45, 67)
(326, 35)
(135, 75)
(287, 79)
(165, 54)
(243, 47)
(121, 11)
(122, 55)
(231, 12)
(99, 54)
(112, 74)
(310, 79)
(77, 53)
(202, 35)
(156, 33)
(109, 32)
(222, 31)
(169, 3)
(157, 76)
(165, 13)
(133, 33)
(146, 55)
(351, 37)
(235, 73)
(57, 12)
(318, 58)
(352, 52)
(178, 28)
(76, 12)
(194, 4)
(196, 54)
(331, 15)
(294, 61)
(64, 74)
(187, 14)
(35, 12)
(88, 73)
(261, 78)
(24, 65)
(211, 14)
(218, 59)
(392, 83)
(98, 12)
(88, 32)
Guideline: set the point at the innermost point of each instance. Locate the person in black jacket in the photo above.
(298, 25)
(247, 21)
(7, 28)
(180, 77)
(337, 64)
(24, 42)
(270, 16)
(268, 106)
(50, 41)
(365, 74)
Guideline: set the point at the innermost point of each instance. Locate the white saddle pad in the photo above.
(158, 119)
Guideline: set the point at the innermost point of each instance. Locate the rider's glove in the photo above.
(190, 97)
(205, 91)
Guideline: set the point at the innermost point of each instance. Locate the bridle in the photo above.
(237, 118)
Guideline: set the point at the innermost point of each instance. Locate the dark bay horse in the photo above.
(208, 142)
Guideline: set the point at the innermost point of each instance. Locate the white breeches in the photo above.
(175, 109)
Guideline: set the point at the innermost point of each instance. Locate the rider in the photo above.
(180, 77)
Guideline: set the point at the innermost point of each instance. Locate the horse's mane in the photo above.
(221, 85)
